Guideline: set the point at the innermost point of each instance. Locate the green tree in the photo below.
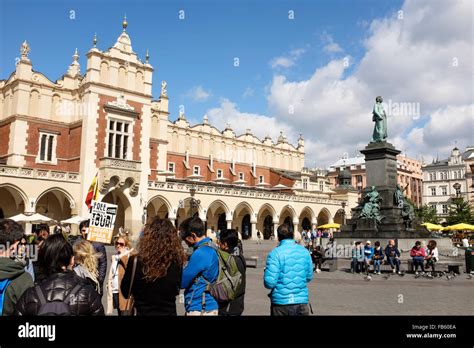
(427, 213)
(459, 212)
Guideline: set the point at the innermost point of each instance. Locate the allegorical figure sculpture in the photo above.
(24, 50)
(371, 206)
(379, 116)
(407, 210)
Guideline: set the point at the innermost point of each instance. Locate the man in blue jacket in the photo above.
(393, 256)
(288, 270)
(203, 263)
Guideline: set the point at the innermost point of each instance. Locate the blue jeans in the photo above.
(418, 261)
(394, 262)
(376, 266)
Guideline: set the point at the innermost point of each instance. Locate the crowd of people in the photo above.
(365, 256)
(69, 276)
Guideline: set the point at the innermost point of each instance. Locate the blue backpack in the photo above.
(3, 289)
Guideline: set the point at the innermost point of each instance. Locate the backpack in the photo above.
(56, 308)
(229, 278)
(3, 289)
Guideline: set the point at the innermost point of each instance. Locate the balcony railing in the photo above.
(116, 163)
(23, 172)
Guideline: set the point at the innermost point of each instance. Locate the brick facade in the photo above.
(5, 140)
(153, 159)
(137, 130)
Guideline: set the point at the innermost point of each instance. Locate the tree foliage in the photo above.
(459, 212)
(427, 213)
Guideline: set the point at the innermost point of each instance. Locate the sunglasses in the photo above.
(84, 230)
(120, 244)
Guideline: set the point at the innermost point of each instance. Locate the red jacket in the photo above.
(417, 252)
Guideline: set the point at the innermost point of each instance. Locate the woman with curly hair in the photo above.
(86, 259)
(158, 267)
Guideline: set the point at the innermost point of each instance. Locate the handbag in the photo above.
(130, 309)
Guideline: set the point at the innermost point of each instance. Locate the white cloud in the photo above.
(261, 125)
(330, 45)
(410, 60)
(289, 60)
(404, 62)
(198, 94)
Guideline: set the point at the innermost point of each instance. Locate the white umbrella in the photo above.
(75, 220)
(32, 219)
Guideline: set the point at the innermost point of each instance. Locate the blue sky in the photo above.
(283, 63)
(196, 51)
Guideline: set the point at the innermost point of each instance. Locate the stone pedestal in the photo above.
(381, 172)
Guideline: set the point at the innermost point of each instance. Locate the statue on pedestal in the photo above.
(24, 50)
(164, 91)
(379, 116)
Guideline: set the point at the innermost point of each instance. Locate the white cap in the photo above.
(368, 242)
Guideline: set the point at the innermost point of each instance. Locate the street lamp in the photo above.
(457, 187)
(343, 204)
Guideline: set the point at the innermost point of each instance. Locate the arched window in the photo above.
(139, 82)
(33, 107)
(122, 77)
(55, 105)
(104, 72)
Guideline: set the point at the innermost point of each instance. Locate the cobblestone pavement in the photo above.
(344, 293)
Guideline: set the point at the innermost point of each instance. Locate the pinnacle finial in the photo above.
(124, 23)
(75, 56)
(147, 57)
(94, 40)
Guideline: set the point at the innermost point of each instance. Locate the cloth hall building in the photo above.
(55, 137)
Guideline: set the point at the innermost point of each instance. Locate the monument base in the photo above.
(381, 169)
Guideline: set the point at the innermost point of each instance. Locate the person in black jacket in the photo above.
(159, 265)
(99, 248)
(56, 259)
(229, 240)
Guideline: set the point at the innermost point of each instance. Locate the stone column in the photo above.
(275, 230)
(229, 224)
(254, 230)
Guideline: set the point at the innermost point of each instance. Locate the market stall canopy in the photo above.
(75, 220)
(459, 227)
(333, 225)
(431, 226)
(32, 219)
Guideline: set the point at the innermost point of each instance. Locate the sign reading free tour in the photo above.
(102, 222)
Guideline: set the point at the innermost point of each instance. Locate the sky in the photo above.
(312, 67)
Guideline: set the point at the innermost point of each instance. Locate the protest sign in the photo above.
(102, 222)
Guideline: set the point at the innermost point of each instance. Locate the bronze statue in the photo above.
(380, 118)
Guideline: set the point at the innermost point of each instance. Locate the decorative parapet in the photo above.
(42, 174)
(239, 192)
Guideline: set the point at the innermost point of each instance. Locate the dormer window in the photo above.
(261, 179)
(219, 173)
(197, 170)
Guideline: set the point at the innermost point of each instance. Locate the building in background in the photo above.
(468, 158)
(446, 179)
(408, 170)
(56, 135)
